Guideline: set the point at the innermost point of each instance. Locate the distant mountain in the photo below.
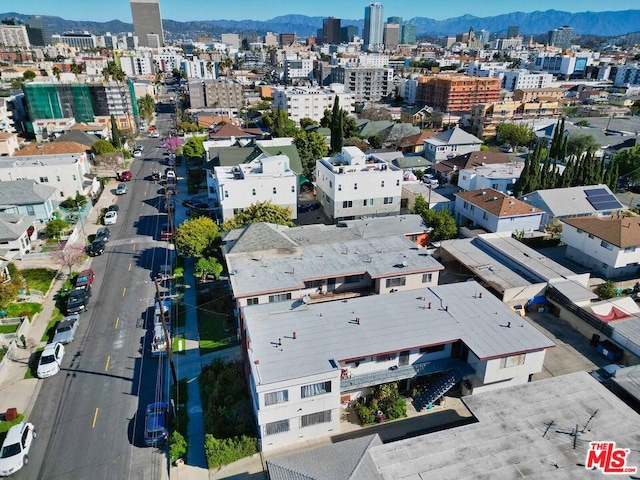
(604, 24)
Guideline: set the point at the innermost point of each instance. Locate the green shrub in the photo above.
(222, 452)
(5, 426)
(177, 447)
(607, 290)
(365, 414)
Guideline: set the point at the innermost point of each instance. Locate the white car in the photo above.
(15, 449)
(121, 189)
(50, 360)
(137, 153)
(110, 218)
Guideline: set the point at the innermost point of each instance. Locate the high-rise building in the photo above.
(14, 36)
(331, 31)
(391, 36)
(347, 33)
(373, 32)
(147, 20)
(560, 37)
(408, 35)
(397, 20)
(38, 32)
(512, 31)
(287, 39)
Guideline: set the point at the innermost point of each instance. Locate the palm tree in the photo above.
(56, 72)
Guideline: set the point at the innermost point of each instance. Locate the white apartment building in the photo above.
(499, 176)
(371, 60)
(197, 68)
(306, 361)
(66, 172)
(166, 62)
(366, 84)
(557, 64)
(308, 102)
(137, 65)
(298, 69)
(14, 36)
(354, 185)
(518, 79)
(231, 40)
(265, 179)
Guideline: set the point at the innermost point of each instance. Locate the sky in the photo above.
(185, 10)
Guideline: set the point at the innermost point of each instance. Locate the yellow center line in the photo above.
(124, 290)
(106, 367)
(95, 418)
(117, 323)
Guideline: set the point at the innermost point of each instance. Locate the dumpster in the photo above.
(609, 350)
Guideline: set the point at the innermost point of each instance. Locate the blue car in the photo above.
(155, 424)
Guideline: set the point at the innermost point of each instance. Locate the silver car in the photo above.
(66, 330)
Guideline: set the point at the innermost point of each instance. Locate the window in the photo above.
(315, 418)
(580, 231)
(44, 179)
(253, 191)
(273, 428)
(590, 235)
(61, 194)
(388, 200)
(465, 205)
(352, 278)
(31, 210)
(280, 297)
(396, 282)
(626, 250)
(485, 216)
(330, 184)
(252, 301)
(432, 349)
(495, 186)
(347, 204)
(426, 277)
(606, 245)
(315, 389)
(386, 357)
(273, 398)
(275, 190)
(512, 361)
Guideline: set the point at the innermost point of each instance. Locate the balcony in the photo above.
(462, 369)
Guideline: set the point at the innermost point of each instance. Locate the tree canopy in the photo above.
(515, 134)
(260, 212)
(28, 75)
(279, 123)
(194, 148)
(101, 147)
(311, 147)
(197, 237)
(146, 106)
(441, 221)
(348, 123)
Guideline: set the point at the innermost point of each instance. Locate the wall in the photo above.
(493, 375)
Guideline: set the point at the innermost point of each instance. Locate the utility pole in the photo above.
(166, 334)
(169, 212)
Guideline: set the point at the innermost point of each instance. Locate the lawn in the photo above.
(39, 278)
(9, 328)
(20, 309)
(179, 345)
(216, 323)
(32, 371)
(51, 326)
(5, 426)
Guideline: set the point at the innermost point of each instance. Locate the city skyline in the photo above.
(174, 10)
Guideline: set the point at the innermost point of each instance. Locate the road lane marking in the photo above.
(129, 267)
(133, 247)
(117, 323)
(106, 367)
(95, 418)
(124, 290)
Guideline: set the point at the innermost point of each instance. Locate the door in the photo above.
(331, 284)
(404, 358)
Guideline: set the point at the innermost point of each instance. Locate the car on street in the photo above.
(165, 232)
(114, 207)
(103, 234)
(155, 135)
(14, 453)
(125, 176)
(121, 189)
(110, 218)
(66, 329)
(50, 360)
(155, 424)
(195, 203)
(137, 153)
(84, 278)
(78, 300)
(96, 248)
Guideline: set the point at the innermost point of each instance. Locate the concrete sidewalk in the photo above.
(15, 390)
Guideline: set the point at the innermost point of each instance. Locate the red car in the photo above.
(125, 176)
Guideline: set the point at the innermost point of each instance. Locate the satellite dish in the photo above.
(405, 263)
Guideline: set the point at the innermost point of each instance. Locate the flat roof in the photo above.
(628, 379)
(523, 432)
(277, 269)
(327, 332)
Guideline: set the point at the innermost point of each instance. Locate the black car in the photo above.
(103, 234)
(194, 203)
(96, 248)
(113, 207)
(78, 300)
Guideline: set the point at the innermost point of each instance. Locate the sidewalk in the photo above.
(15, 390)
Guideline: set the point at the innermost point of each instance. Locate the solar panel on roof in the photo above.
(608, 206)
(596, 191)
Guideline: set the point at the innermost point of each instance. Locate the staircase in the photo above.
(433, 392)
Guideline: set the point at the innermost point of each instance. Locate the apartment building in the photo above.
(457, 93)
(221, 93)
(137, 65)
(264, 179)
(308, 102)
(486, 117)
(305, 361)
(518, 79)
(354, 185)
(499, 176)
(298, 69)
(14, 36)
(526, 95)
(366, 84)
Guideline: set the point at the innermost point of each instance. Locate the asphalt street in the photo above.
(90, 416)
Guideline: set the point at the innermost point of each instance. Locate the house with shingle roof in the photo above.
(609, 245)
(449, 144)
(78, 136)
(495, 212)
(445, 169)
(16, 233)
(28, 197)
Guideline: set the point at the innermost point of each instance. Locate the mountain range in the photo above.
(606, 24)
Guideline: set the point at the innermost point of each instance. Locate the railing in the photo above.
(443, 384)
(395, 374)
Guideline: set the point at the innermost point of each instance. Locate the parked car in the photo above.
(114, 207)
(78, 300)
(165, 232)
(103, 234)
(125, 176)
(606, 373)
(121, 189)
(155, 424)
(66, 329)
(96, 248)
(84, 278)
(110, 218)
(137, 153)
(50, 360)
(195, 203)
(14, 453)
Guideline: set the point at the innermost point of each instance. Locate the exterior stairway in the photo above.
(433, 392)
